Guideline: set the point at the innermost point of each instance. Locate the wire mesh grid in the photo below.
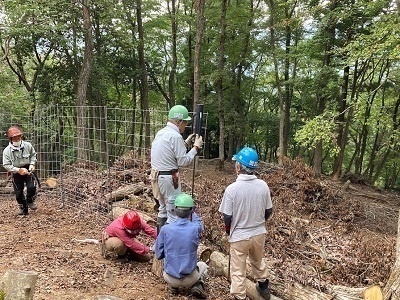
(91, 158)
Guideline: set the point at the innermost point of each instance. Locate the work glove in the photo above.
(198, 141)
(23, 171)
(189, 140)
(31, 168)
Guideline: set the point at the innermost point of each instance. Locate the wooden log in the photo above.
(345, 293)
(18, 284)
(117, 211)
(204, 253)
(125, 192)
(157, 267)
(219, 263)
(107, 297)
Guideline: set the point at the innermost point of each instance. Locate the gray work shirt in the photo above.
(246, 201)
(168, 150)
(14, 158)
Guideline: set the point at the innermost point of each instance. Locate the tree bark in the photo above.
(83, 81)
(124, 192)
(221, 104)
(144, 89)
(196, 63)
(174, 63)
(117, 211)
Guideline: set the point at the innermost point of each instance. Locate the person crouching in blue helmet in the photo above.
(246, 206)
(177, 243)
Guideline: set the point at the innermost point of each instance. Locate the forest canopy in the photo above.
(317, 80)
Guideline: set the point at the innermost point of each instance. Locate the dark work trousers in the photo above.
(19, 182)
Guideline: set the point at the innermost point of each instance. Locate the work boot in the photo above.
(160, 223)
(173, 290)
(156, 205)
(263, 290)
(23, 211)
(32, 206)
(198, 290)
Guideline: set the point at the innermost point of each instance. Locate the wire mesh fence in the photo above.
(91, 158)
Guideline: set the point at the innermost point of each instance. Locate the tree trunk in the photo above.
(282, 147)
(144, 90)
(18, 285)
(221, 104)
(172, 73)
(83, 81)
(197, 53)
(342, 133)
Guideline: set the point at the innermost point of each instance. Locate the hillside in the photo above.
(320, 234)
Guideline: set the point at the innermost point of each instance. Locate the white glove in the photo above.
(198, 141)
(188, 140)
(31, 168)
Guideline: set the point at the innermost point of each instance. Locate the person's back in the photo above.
(168, 153)
(246, 205)
(248, 200)
(181, 240)
(177, 244)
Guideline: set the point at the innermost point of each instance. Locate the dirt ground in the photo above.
(319, 235)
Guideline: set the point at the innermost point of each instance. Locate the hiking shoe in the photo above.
(32, 206)
(22, 212)
(263, 290)
(198, 291)
(173, 291)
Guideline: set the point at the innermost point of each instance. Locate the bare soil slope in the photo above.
(319, 234)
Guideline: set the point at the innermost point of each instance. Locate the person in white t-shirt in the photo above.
(246, 205)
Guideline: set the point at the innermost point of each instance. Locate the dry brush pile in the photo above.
(318, 235)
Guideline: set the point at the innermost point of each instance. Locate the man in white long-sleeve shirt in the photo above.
(19, 159)
(168, 153)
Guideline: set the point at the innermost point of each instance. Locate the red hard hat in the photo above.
(131, 220)
(13, 131)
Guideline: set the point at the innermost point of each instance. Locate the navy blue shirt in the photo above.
(177, 243)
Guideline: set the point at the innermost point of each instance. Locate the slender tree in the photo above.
(83, 80)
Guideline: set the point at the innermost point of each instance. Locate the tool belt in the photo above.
(167, 172)
(175, 176)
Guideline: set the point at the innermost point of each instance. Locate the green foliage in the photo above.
(2, 295)
(321, 128)
(324, 38)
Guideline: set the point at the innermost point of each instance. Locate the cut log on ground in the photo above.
(118, 211)
(107, 297)
(219, 264)
(157, 267)
(18, 284)
(125, 192)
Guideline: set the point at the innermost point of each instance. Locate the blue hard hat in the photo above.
(247, 157)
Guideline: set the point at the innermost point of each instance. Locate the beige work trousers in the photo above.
(253, 249)
(114, 244)
(188, 281)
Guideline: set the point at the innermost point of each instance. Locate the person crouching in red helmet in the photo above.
(120, 237)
